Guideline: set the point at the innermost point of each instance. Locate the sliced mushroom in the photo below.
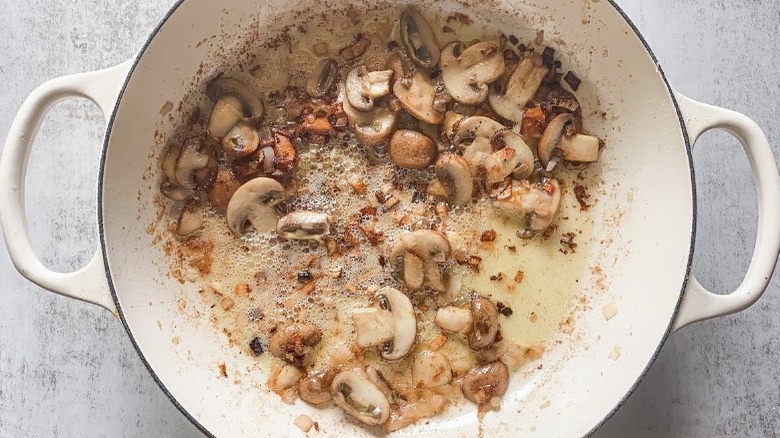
(536, 203)
(227, 111)
(485, 316)
(466, 72)
(509, 101)
(254, 203)
(322, 78)
(377, 378)
(417, 94)
(371, 128)
(418, 39)
(454, 319)
(454, 175)
(363, 86)
(294, 341)
(474, 137)
(412, 149)
(168, 186)
(251, 102)
(450, 126)
(241, 140)
(190, 219)
(430, 246)
(484, 382)
(570, 147)
(304, 225)
(196, 165)
(431, 369)
(513, 156)
(315, 388)
(225, 184)
(358, 397)
(390, 322)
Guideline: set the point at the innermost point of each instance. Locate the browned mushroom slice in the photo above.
(322, 78)
(371, 128)
(513, 156)
(430, 246)
(486, 381)
(466, 72)
(196, 165)
(411, 149)
(417, 94)
(509, 101)
(254, 203)
(474, 137)
(315, 388)
(355, 49)
(190, 219)
(454, 175)
(390, 323)
(241, 140)
(168, 186)
(363, 86)
(570, 147)
(485, 316)
(227, 111)
(357, 396)
(418, 39)
(252, 104)
(535, 203)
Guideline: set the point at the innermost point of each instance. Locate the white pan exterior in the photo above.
(646, 170)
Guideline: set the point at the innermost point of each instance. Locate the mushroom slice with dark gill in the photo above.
(304, 225)
(535, 203)
(509, 100)
(322, 78)
(390, 323)
(431, 248)
(454, 175)
(512, 156)
(371, 128)
(294, 341)
(354, 393)
(188, 168)
(575, 147)
(363, 86)
(485, 326)
(474, 137)
(249, 97)
(556, 141)
(416, 94)
(484, 382)
(254, 204)
(467, 72)
(418, 39)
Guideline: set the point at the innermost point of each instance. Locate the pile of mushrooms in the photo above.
(479, 121)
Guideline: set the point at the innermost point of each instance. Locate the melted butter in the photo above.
(270, 266)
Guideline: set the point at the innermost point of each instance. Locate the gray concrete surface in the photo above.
(67, 369)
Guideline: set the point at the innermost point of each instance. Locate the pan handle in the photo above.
(88, 283)
(697, 302)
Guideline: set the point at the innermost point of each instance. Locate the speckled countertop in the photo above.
(68, 369)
